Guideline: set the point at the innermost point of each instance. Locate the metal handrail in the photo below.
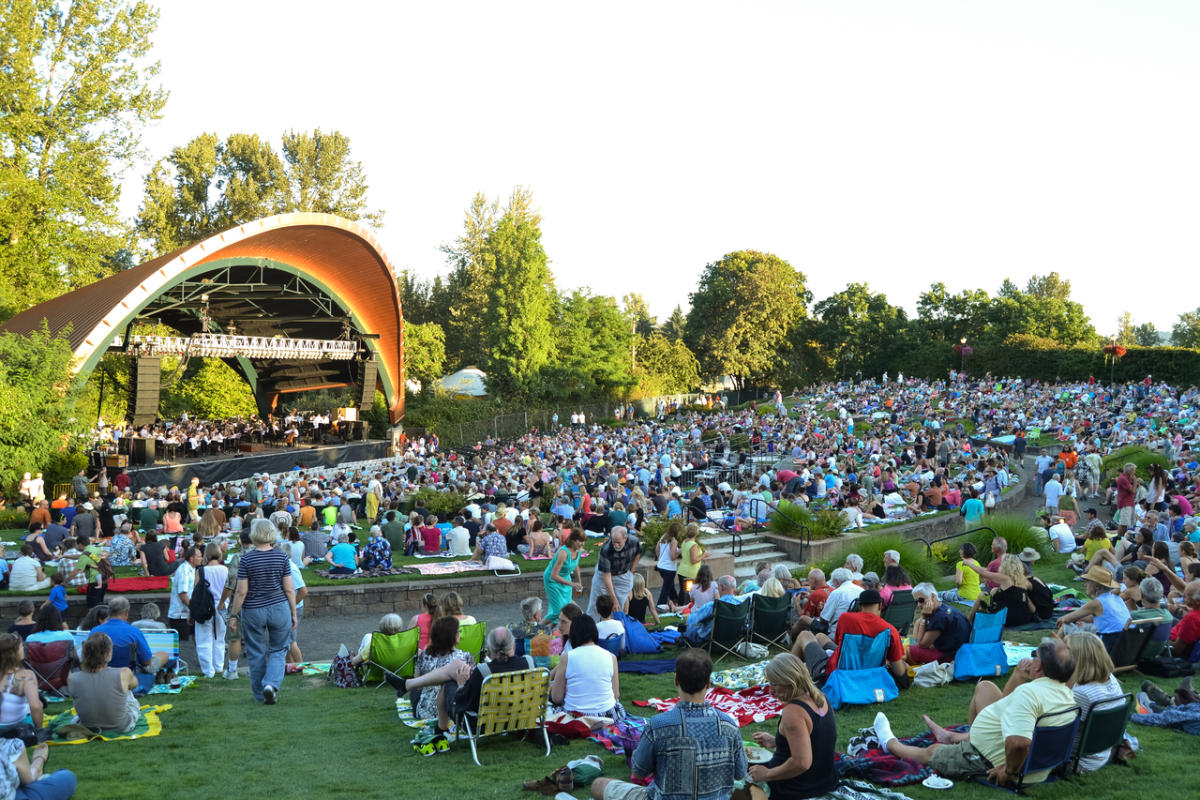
(929, 544)
(805, 533)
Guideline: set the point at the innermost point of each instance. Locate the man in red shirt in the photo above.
(1127, 483)
(122, 480)
(1186, 632)
(814, 650)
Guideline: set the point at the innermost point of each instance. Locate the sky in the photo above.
(890, 143)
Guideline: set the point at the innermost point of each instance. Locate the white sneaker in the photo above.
(229, 676)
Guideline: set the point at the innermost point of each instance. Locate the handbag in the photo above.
(935, 673)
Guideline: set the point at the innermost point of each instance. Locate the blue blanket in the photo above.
(1185, 718)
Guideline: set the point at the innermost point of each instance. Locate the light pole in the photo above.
(962, 349)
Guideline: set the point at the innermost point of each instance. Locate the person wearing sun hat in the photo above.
(1106, 610)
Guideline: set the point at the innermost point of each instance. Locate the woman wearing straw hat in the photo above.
(1106, 609)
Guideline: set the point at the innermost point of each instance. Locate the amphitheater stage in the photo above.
(239, 466)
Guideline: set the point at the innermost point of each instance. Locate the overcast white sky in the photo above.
(896, 143)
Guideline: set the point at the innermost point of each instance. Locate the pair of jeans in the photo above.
(266, 634)
(57, 785)
(667, 592)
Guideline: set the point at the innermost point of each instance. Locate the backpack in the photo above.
(201, 605)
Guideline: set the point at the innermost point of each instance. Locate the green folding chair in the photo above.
(470, 639)
(1103, 728)
(391, 654)
(769, 620)
(729, 628)
(901, 611)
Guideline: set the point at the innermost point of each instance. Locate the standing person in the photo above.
(667, 565)
(193, 500)
(233, 634)
(210, 635)
(561, 578)
(691, 554)
(264, 606)
(1127, 483)
(183, 582)
(711, 758)
(618, 561)
(804, 743)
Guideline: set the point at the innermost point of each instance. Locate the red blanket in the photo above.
(159, 583)
(746, 706)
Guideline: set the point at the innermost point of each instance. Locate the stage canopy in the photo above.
(291, 276)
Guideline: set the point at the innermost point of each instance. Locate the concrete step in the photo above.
(746, 570)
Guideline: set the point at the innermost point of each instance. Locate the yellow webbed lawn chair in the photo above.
(509, 701)
(391, 654)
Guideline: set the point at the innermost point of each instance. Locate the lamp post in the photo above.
(962, 349)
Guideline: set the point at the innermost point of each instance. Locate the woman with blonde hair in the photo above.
(1094, 685)
(772, 588)
(1011, 592)
(450, 605)
(209, 525)
(804, 744)
(640, 601)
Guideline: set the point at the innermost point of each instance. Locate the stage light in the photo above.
(221, 345)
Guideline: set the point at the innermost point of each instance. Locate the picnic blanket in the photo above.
(308, 668)
(754, 704)
(880, 766)
(741, 677)
(184, 682)
(448, 568)
(622, 736)
(364, 573)
(136, 584)
(1015, 651)
(64, 728)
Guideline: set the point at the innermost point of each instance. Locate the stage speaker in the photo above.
(144, 385)
(143, 452)
(367, 399)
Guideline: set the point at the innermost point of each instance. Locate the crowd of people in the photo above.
(874, 450)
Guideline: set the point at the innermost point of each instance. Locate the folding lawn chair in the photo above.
(509, 701)
(1050, 747)
(1103, 728)
(901, 610)
(983, 656)
(470, 639)
(862, 676)
(51, 663)
(769, 620)
(1131, 644)
(390, 654)
(729, 628)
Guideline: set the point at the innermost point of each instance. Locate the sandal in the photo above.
(561, 780)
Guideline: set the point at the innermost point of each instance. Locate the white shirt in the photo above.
(1054, 491)
(183, 581)
(838, 603)
(1062, 537)
(459, 541)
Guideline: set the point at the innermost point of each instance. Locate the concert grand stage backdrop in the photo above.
(293, 302)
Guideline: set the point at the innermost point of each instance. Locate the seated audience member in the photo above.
(122, 550)
(491, 543)
(640, 601)
(26, 574)
(606, 626)
(939, 631)
(820, 653)
(1105, 609)
(342, 557)
(708, 766)
(844, 593)
(809, 600)
(895, 579)
(431, 675)
(703, 589)
(316, 543)
(28, 771)
(450, 605)
(123, 635)
(423, 620)
(378, 553)
(1186, 632)
(458, 540)
(389, 624)
(1002, 722)
(1094, 685)
(151, 618)
(1011, 592)
(531, 623)
(18, 685)
(501, 657)
(561, 643)
(103, 695)
(700, 621)
(50, 628)
(966, 580)
(154, 558)
(430, 536)
(586, 680)
(24, 624)
(96, 615)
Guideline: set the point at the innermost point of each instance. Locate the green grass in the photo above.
(1136, 455)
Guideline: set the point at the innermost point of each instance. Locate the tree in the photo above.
(210, 185)
(949, 317)
(75, 93)
(742, 312)
(424, 353)
(518, 310)
(1186, 332)
(209, 389)
(1147, 335)
(665, 366)
(39, 400)
(673, 328)
(1126, 333)
(593, 342)
(639, 313)
(858, 330)
(1043, 309)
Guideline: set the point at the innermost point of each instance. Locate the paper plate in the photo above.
(937, 782)
(756, 754)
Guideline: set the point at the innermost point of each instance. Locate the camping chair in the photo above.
(509, 701)
(612, 643)
(51, 663)
(983, 656)
(769, 620)
(862, 675)
(1131, 644)
(729, 627)
(1158, 639)
(1050, 746)
(901, 611)
(390, 654)
(1103, 728)
(470, 639)
(168, 642)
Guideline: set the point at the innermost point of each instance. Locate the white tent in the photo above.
(468, 381)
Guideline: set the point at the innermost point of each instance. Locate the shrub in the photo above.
(651, 532)
(1017, 531)
(739, 441)
(439, 503)
(708, 434)
(1136, 455)
(828, 523)
(13, 518)
(61, 467)
(789, 519)
(912, 557)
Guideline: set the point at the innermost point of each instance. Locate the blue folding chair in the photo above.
(1050, 747)
(983, 656)
(862, 676)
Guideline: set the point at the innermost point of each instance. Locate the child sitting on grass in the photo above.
(58, 593)
(640, 601)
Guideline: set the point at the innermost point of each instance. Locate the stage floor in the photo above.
(239, 466)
